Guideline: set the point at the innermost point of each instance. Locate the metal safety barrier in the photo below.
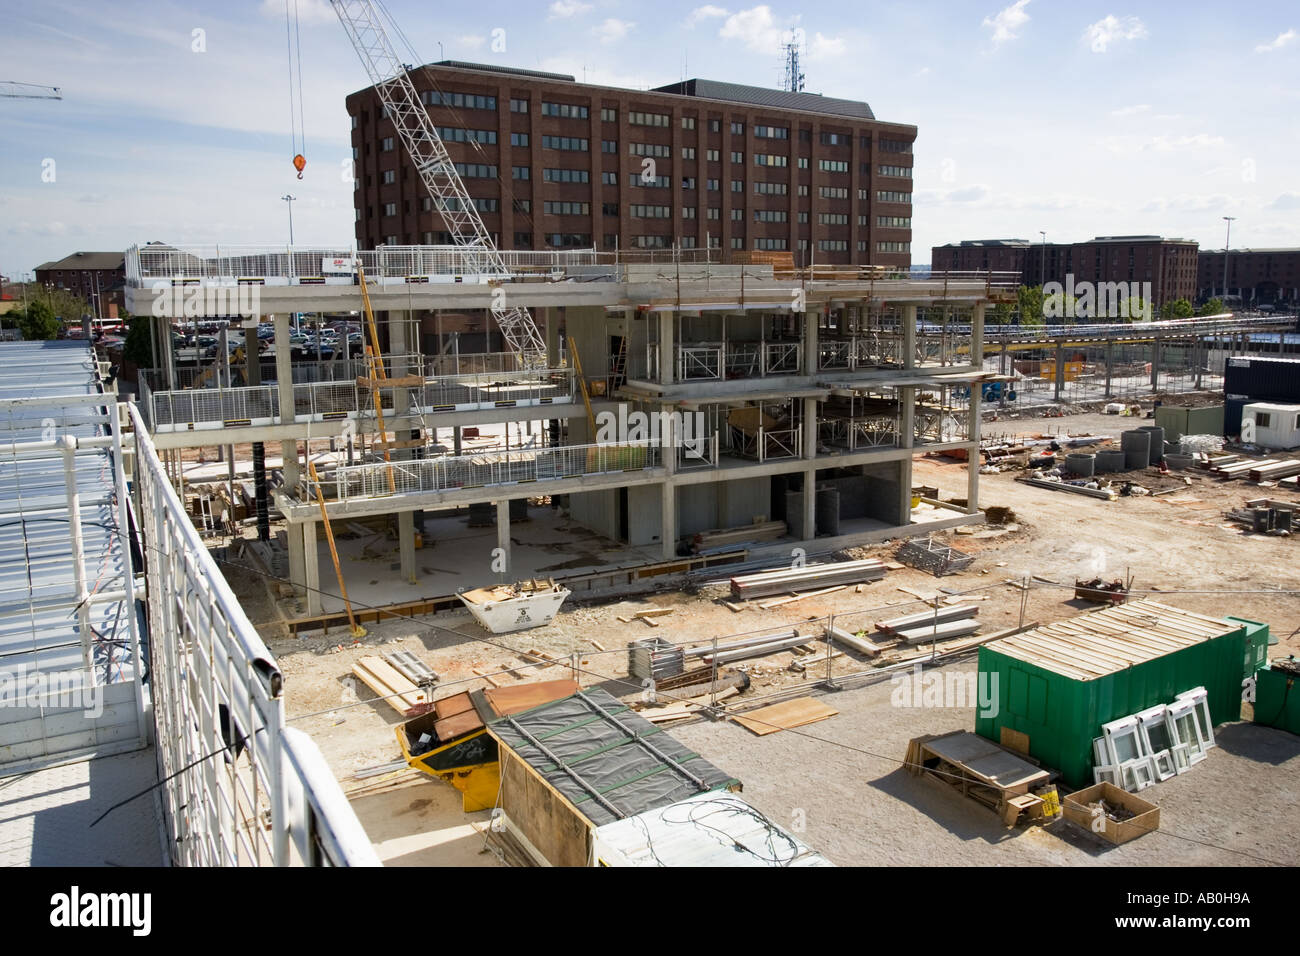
(240, 788)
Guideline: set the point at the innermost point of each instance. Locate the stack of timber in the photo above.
(760, 531)
(1286, 468)
(731, 651)
(1243, 467)
(930, 555)
(785, 580)
(392, 686)
(940, 624)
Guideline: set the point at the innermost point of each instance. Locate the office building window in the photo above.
(564, 110)
(519, 106)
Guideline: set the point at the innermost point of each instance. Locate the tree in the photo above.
(36, 322)
(137, 348)
(1000, 314)
(1177, 309)
(1029, 299)
(1213, 307)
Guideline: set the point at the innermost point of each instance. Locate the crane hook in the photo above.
(299, 162)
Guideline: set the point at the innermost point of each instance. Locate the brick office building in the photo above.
(1168, 264)
(552, 163)
(1261, 276)
(97, 277)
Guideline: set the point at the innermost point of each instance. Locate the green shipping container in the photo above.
(1058, 684)
(1178, 421)
(1277, 700)
(1257, 644)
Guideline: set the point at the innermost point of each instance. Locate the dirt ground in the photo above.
(1177, 546)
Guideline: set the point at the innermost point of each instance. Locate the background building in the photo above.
(98, 277)
(1170, 265)
(552, 163)
(1263, 276)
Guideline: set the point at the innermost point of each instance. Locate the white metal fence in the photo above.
(240, 788)
(484, 469)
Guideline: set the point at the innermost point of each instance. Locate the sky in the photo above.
(1074, 118)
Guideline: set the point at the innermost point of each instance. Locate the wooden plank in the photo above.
(799, 597)
(455, 704)
(386, 681)
(785, 716)
(653, 612)
(488, 676)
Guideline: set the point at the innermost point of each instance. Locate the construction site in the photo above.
(693, 559)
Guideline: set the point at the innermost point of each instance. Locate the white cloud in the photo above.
(1286, 202)
(706, 12)
(1281, 40)
(823, 47)
(612, 30)
(923, 71)
(1170, 143)
(562, 9)
(1110, 28)
(1130, 110)
(755, 27)
(1007, 21)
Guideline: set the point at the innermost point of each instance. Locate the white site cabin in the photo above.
(1273, 425)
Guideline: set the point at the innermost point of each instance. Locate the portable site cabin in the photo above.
(1272, 425)
(1180, 420)
(576, 764)
(1058, 684)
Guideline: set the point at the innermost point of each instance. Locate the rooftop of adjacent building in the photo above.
(1261, 251)
(87, 260)
(1025, 243)
(714, 90)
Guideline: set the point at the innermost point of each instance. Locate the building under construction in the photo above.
(677, 403)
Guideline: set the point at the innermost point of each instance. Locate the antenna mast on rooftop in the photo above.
(794, 77)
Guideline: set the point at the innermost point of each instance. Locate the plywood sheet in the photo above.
(786, 715)
(457, 725)
(456, 704)
(520, 697)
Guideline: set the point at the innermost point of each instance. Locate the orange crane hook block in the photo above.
(298, 163)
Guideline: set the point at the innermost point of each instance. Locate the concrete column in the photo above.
(810, 428)
(297, 559)
(906, 439)
(1060, 368)
(311, 565)
(503, 535)
(401, 365)
(810, 504)
(667, 360)
(811, 320)
(1198, 358)
(283, 366)
(552, 329)
(977, 335)
(909, 339)
(973, 455)
(668, 519)
(1110, 364)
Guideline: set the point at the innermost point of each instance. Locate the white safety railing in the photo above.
(239, 788)
(495, 390)
(485, 469)
(780, 443)
(699, 362)
(701, 452)
(213, 407)
(875, 432)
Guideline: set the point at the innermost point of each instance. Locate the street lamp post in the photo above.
(289, 199)
(1042, 268)
(1226, 240)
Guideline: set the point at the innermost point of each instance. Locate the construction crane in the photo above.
(365, 28)
(29, 91)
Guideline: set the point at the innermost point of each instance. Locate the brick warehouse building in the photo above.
(97, 277)
(1262, 276)
(1168, 264)
(553, 163)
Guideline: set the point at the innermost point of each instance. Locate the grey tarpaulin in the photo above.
(610, 753)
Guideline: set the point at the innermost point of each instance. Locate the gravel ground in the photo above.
(1174, 545)
(861, 808)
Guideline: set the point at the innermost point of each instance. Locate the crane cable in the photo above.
(297, 126)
